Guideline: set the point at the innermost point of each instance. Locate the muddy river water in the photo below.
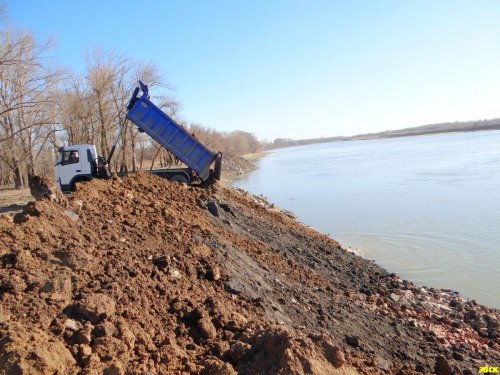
(425, 207)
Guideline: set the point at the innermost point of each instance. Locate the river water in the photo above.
(425, 207)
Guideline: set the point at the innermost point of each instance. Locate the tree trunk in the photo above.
(104, 139)
(154, 158)
(123, 166)
(2, 176)
(141, 160)
(30, 162)
(18, 178)
(132, 147)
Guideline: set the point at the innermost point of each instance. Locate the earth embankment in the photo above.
(141, 275)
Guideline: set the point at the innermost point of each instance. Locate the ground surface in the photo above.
(13, 200)
(236, 167)
(140, 275)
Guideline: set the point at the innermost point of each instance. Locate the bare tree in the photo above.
(93, 106)
(26, 99)
(235, 143)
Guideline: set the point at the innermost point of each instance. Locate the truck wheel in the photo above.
(180, 179)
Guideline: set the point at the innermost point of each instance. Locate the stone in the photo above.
(108, 347)
(352, 340)
(231, 288)
(115, 368)
(161, 262)
(201, 250)
(96, 307)
(239, 352)
(442, 366)
(492, 322)
(105, 329)
(382, 363)
(83, 336)
(214, 273)
(72, 215)
(395, 297)
(458, 356)
(420, 367)
(58, 287)
(4, 314)
(72, 325)
(483, 332)
(126, 335)
(479, 323)
(212, 208)
(85, 350)
(207, 329)
(175, 274)
(336, 357)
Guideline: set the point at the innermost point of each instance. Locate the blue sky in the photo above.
(297, 69)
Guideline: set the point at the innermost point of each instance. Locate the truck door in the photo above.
(69, 166)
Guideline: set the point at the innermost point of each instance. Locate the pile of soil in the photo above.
(140, 275)
(235, 167)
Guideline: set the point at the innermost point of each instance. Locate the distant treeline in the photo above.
(446, 127)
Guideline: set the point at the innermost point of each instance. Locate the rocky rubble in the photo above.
(264, 202)
(235, 167)
(140, 275)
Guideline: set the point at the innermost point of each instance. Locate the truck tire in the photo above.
(179, 178)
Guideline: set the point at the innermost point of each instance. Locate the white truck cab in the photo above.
(75, 163)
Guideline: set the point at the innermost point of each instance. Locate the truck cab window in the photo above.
(70, 157)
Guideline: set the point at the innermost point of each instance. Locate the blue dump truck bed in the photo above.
(159, 126)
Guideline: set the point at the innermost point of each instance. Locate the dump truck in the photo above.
(78, 163)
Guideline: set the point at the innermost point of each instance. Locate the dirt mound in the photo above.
(235, 167)
(42, 188)
(140, 275)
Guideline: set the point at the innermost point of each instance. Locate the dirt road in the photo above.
(13, 200)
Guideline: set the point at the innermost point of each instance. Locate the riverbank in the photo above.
(423, 207)
(140, 275)
(237, 167)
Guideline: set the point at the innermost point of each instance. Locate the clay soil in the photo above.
(138, 275)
